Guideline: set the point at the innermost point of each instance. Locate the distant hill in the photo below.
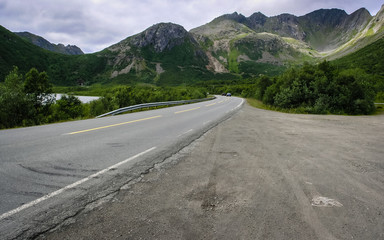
(43, 43)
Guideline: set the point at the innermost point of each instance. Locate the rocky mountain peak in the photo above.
(380, 13)
(234, 17)
(257, 20)
(327, 17)
(43, 43)
(361, 11)
(377, 22)
(162, 36)
(286, 18)
(286, 25)
(357, 20)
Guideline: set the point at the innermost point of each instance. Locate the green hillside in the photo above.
(62, 69)
(14, 51)
(369, 58)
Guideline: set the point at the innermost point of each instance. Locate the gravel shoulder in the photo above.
(258, 175)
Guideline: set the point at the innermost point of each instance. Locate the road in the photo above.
(258, 175)
(53, 171)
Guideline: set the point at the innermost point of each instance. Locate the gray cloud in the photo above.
(95, 24)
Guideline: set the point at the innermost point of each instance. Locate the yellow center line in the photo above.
(187, 110)
(114, 125)
(210, 104)
(221, 101)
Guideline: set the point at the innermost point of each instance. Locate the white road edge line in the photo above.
(242, 101)
(205, 123)
(73, 185)
(190, 130)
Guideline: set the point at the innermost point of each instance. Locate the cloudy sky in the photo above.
(94, 25)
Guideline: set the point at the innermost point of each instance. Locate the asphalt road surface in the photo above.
(50, 173)
(258, 175)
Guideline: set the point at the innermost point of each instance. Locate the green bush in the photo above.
(68, 107)
(322, 89)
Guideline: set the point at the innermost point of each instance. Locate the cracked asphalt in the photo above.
(258, 175)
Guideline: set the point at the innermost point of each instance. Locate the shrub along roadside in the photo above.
(319, 89)
(323, 89)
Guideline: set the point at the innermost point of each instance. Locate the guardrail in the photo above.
(155, 104)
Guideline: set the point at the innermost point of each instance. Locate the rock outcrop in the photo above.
(162, 36)
(155, 47)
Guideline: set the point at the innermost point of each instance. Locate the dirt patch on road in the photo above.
(257, 175)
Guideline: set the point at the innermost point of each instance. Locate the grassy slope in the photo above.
(14, 51)
(62, 69)
(369, 58)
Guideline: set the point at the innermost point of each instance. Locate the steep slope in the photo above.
(327, 29)
(43, 43)
(372, 32)
(62, 69)
(217, 39)
(323, 30)
(163, 54)
(369, 58)
(14, 51)
(240, 45)
(263, 45)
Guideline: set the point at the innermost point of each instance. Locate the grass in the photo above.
(233, 65)
(379, 109)
(257, 103)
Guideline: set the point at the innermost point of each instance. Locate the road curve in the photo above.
(259, 175)
(53, 171)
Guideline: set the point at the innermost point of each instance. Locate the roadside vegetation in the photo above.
(320, 89)
(27, 100)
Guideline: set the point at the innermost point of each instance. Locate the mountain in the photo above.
(43, 43)
(327, 29)
(231, 46)
(372, 32)
(366, 49)
(163, 53)
(266, 45)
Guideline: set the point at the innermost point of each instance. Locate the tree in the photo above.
(262, 84)
(39, 90)
(15, 107)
